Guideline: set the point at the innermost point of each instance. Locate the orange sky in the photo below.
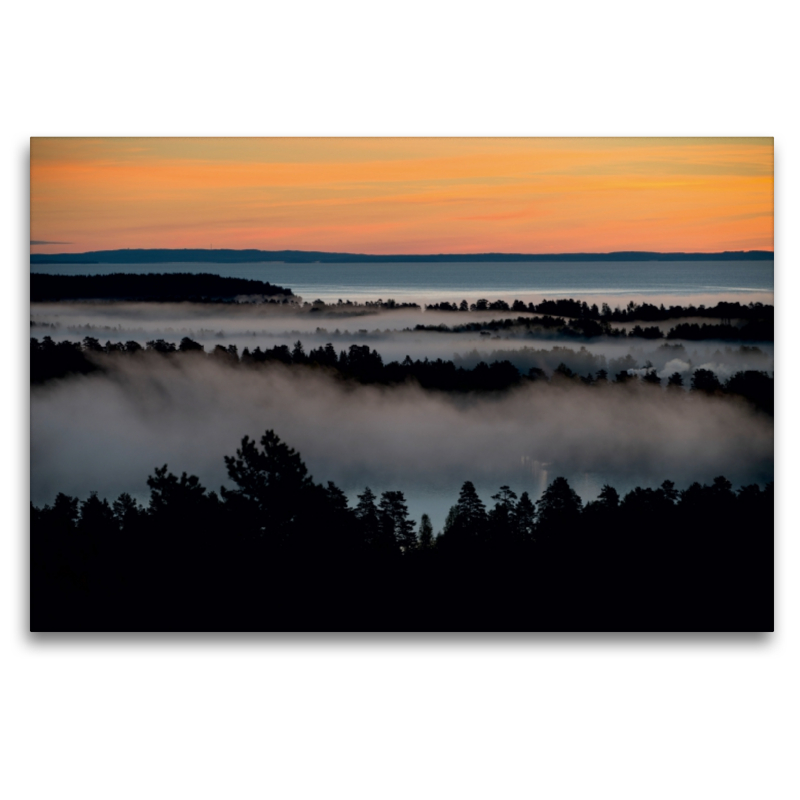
(403, 195)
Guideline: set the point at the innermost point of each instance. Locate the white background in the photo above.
(396, 717)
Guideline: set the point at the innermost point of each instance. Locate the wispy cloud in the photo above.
(423, 195)
(42, 241)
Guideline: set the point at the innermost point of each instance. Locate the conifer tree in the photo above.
(425, 533)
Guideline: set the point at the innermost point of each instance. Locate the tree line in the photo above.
(282, 552)
(50, 360)
(632, 312)
(757, 330)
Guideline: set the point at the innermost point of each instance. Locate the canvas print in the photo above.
(401, 384)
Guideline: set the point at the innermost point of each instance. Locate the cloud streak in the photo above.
(405, 195)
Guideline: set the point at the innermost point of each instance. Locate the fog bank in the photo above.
(107, 432)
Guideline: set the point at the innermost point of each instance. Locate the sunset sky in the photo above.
(403, 195)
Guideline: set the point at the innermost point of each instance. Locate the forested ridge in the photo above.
(643, 312)
(226, 255)
(51, 360)
(544, 327)
(152, 287)
(576, 319)
(282, 552)
(570, 318)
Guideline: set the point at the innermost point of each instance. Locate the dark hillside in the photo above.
(150, 287)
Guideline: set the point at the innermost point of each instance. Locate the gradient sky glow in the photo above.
(403, 195)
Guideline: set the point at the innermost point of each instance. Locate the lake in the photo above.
(612, 282)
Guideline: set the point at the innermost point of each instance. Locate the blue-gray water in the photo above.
(429, 282)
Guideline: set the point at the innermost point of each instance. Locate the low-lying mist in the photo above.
(266, 326)
(237, 319)
(107, 431)
(253, 325)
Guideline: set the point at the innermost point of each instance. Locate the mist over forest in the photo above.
(391, 332)
(106, 431)
(319, 440)
(559, 408)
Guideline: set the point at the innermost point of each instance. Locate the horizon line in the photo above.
(393, 255)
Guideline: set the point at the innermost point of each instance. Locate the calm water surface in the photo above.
(414, 282)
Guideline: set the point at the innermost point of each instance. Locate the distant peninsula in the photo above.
(152, 287)
(163, 256)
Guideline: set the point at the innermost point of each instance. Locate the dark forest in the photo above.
(281, 552)
(153, 287)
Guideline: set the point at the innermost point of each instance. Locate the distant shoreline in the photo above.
(171, 287)
(156, 256)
